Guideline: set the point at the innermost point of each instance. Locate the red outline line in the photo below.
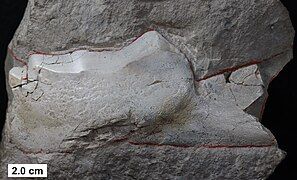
(209, 146)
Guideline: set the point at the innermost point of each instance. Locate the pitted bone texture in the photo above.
(145, 89)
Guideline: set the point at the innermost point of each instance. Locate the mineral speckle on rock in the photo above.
(145, 89)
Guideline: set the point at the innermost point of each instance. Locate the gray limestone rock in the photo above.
(143, 89)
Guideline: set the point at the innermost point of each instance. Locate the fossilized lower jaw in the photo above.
(150, 86)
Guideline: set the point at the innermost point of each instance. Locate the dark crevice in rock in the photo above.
(227, 77)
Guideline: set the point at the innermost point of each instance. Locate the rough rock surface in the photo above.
(143, 89)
